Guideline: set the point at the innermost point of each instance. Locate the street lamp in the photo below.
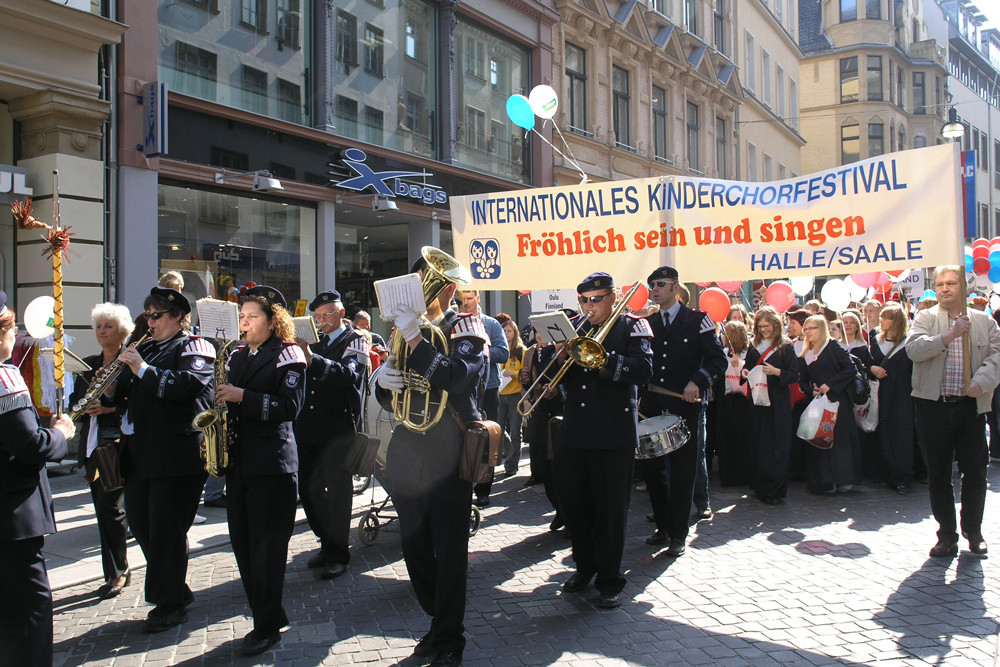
(953, 129)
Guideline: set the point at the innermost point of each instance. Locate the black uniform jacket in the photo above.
(334, 382)
(274, 389)
(163, 403)
(107, 423)
(25, 497)
(687, 351)
(600, 410)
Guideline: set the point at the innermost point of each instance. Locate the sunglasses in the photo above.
(156, 315)
(592, 299)
(660, 284)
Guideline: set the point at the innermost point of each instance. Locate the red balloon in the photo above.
(779, 295)
(639, 299)
(896, 274)
(865, 280)
(715, 302)
(979, 242)
(524, 291)
(703, 284)
(729, 285)
(883, 279)
(981, 265)
(981, 251)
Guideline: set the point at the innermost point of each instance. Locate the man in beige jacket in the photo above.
(950, 414)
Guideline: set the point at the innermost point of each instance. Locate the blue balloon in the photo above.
(519, 111)
(968, 264)
(995, 258)
(994, 275)
(929, 294)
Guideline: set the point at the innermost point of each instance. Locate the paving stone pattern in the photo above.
(819, 580)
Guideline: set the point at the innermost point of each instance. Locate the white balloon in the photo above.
(902, 276)
(835, 294)
(995, 302)
(856, 291)
(543, 101)
(802, 285)
(984, 281)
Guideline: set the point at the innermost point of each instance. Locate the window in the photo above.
(779, 9)
(620, 108)
(892, 90)
(765, 76)
(782, 172)
(919, 93)
(848, 10)
(768, 168)
(984, 152)
(873, 9)
(751, 161)
(288, 22)
(374, 121)
(196, 71)
(475, 58)
(793, 23)
(660, 143)
(254, 13)
(793, 104)
(289, 102)
(720, 147)
(919, 141)
(875, 78)
(691, 16)
(749, 57)
(779, 91)
(901, 144)
(415, 114)
(374, 50)
(996, 165)
(848, 80)
(475, 128)
(498, 78)
(850, 144)
(916, 30)
(347, 114)
(210, 5)
(876, 139)
(719, 28)
(253, 90)
(576, 81)
(693, 136)
(347, 38)
(899, 86)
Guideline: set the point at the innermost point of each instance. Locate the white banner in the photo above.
(896, 211)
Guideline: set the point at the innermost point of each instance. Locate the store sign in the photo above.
(388, 183)
(154, 109)
(13, 183)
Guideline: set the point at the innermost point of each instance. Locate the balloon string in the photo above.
(568, 149)
(566, 157)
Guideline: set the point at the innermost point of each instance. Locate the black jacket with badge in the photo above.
(688, 350)
(335, 379)
(600, 408)
(273, 383)
(162, 404)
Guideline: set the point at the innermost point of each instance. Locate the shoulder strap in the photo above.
(766, 354)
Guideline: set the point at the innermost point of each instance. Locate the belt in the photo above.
(953, 399)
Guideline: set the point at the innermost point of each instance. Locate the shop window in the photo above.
(254, 84)
(196, 71)
(576, 82)
(661, 144)
(621, 106)
(289, 102)
(288, 22)
(374, 50)
(279, 170)
(347, 114)
(848, 80)
(253, 13)
(227, 159)
(374, 126)
(850, 144)
(876, 139)
(875, 78)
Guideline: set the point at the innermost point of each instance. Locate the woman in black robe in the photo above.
(857, 346)
(734, 442)
(826, 368)
(771, 426)
(894, 371)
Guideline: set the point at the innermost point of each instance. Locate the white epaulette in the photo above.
(358, 346)
(640, 329)
(197, 346)
(292, 354)
(469, 326)
(707, 324)
(13, 391)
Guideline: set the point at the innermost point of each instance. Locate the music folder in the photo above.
(553, 327)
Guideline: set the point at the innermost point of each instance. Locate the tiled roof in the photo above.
(812, 39)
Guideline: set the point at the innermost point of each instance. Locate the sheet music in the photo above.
(305, 329)
(218, 319)
(553, 327)
(401, 290)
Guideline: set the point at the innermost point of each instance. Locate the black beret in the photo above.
(171, 296)
(595, 281)
(324, 297)
(663, 273)
(3, 302)
(418, 265)
(798, 315)
(269, 294)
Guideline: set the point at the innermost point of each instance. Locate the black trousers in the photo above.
(491, 406)
(26, 607)
(160, 511)
(327, 493)
(261, 512)
(670, 480)
(594, 487)
(945, 430)
(109, 510)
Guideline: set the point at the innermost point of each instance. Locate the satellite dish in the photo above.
(38, 317)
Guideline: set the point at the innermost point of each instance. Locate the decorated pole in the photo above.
(58, 244)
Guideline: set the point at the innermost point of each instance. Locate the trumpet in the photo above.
(99, 384)
(584, 350)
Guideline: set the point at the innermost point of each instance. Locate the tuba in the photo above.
(419, 407)
(214, 422)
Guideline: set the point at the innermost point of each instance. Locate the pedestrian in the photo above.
(737, 459)
(510, 395)
(892, 367)
(951, 410)
(544, 412)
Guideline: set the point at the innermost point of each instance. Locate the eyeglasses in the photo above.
(592, 299)
(156, 315)
(810, 328)
(660, 284)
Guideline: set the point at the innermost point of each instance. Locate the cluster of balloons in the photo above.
(983, 259)
(541, 101)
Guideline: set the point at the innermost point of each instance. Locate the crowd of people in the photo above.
(732, 398)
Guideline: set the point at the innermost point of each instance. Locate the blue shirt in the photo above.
(499, 351)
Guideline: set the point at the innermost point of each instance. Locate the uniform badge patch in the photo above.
(465, 347)
(292, 380)
(198, 363)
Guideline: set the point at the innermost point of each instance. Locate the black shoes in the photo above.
(609, 601)
(705, 513)
(946, 548)
(161, 619)
(424, 647)
(482, 501)
(254, 644)
(657, 539)
(447, 659)
(769, 500)
(319, 560)
(531, 481)
(110, 589)
(977, 544)
(676, 548)
(577, 582)
(333, 570)
(903, 489)
(216, 502)
(557, 523)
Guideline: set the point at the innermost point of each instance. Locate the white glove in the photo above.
(391, 379)
(407, 321)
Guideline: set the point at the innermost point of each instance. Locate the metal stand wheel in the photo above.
(368, 528)
(475, 520)
(361, 483)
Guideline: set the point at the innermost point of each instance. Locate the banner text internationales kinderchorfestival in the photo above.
(896, 211)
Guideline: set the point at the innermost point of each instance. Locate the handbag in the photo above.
(859, 389)
(482, 451)
(107, 466)
(359, 457)
(866, 415)
(818, 421)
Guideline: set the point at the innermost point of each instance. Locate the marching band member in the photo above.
(265, 393)
(433, 502)
(595, 448)
(27, 514)
(170, 383)
(335, 380)
(687, 359)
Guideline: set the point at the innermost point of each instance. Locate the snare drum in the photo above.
(661, 435)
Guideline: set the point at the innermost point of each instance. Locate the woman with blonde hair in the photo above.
(894, 371)
(732, 418)
(510, 395)
(826, 368)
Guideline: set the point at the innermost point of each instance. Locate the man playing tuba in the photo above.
(422, 463)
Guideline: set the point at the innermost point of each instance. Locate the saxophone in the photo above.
(100, 383)
(214, 422)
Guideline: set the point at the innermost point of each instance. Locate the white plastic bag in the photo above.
(867, 415)
(757, 379)
(818, 421)
(733, 376)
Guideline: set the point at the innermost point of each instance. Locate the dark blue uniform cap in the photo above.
(323, 298)
(663, 273)
(171, 296)
(269, 294)
(595, 281)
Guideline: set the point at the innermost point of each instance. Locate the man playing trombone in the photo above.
(595, 449)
